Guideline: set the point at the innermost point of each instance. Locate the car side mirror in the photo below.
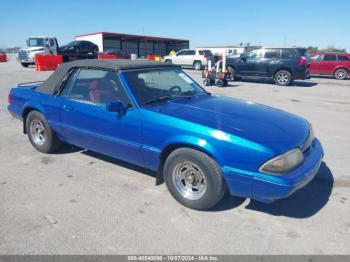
(243, 58)
(117, 106)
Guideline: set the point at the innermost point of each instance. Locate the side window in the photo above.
(191, 52)
(95, 86)
(343, 58)
(272, 53)
(289, 53)
(254, 54)
(51, 42)
(181, 53)
(330, 58)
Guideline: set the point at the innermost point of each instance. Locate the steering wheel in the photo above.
(175, 90)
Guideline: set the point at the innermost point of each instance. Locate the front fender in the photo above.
(193, 142)
(153, 156)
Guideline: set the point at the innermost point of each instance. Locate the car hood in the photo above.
(270, 127)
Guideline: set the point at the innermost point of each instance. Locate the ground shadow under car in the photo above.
(269, 81)
(328, 77)
(120, 163)
(305, 202)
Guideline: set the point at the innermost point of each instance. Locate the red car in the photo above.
(336, 64)
(3, 57)
(117, 53)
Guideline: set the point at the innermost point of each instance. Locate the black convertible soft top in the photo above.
(53, 82)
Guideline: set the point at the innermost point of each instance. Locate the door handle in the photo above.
(68, 108)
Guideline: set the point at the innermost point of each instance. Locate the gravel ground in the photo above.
(78, 202)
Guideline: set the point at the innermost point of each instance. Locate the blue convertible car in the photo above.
(154, 115)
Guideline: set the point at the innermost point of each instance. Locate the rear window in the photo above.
(205, 52)
(343, 58)
(289, 53)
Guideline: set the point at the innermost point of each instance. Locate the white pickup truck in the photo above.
(37, 45)
(197, 58)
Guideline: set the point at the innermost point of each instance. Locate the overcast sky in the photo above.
(269, 23)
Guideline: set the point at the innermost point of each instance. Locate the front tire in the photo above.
(25, 64)
(283, 78)
(193, 179)
(340, 74)
(40, 134)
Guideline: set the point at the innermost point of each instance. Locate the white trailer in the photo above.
(229, 50)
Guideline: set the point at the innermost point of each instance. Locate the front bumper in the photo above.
(27, 60)
(268, 188)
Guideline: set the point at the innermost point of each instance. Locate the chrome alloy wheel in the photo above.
(38, 132)
(341, 73)
(189, 180)
(282, 78)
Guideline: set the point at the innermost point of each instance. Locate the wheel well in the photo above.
(170, 148)
(24, 117)
(167, 151)
(340, 68)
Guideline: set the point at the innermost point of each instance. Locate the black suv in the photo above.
(283, 65)
(79, 50)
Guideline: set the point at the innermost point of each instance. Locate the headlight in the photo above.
(284, 163)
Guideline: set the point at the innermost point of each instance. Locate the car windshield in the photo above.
(34, 42)
(161, 85)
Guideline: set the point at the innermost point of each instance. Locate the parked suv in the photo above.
(283, 65)
(336, 64)
(78, 50)
(197, 58)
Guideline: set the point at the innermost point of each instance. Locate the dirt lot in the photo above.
(78, 202)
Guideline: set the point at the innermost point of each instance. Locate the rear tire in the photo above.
(40, 134)
(197, 65)
(168, 61)
(283, 78)
(340, 74)
(194, 179)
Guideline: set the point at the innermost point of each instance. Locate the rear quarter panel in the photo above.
(26, 98)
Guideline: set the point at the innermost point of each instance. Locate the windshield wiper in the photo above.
(157, 100)
(187, 94)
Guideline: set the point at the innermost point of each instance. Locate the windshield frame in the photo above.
(124, 80)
